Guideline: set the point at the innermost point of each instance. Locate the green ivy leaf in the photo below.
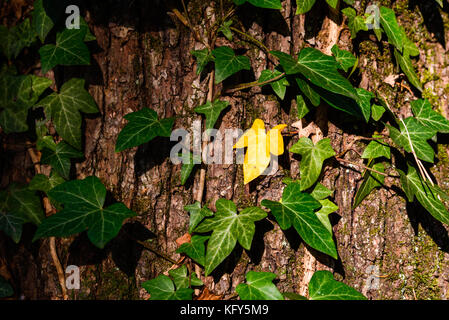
(259, 286)
(332, 3)
(24, 203)
(143, 126)
(225, 29)
(377, 112)
(189, 161)
(341, 103)
(5, 288)
(304, 6)
(355, 23)
(312, 159)
(440, 2)
(227, 63)
(228, 227)
(301, 107)
(267, 4)
(428, 196)
(327, 207)
(297, 208)
(162, 288)
(59, 157)
(308, 91)
(406, 65)
(42, 23)
(322, 286)
(365, 102)
(197, 214)
(318, 68)
(10, 222)
(345, 58)
(293, 296)
(425, 115)
(17, 96)
(376, 149)
(410, 47)
(181, 278)
(13, 40)
(391, 27)
(83, 202)
(69, 50)
(320, 192)
(41, 182)
(203, 57)
(419, 135)
(280, 86)
(195, 249)
(64, 108)
(371, 180)
(212, 111)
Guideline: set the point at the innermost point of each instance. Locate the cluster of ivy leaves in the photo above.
(305, 204)
(315, 77)
(80, 203)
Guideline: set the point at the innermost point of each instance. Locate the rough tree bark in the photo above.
(142, 59)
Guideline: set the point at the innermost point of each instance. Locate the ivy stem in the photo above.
(366, 168)
(202, 182)
(260, 44)
(254, 84)
(35, 158)
(185, 20)
(155, 251)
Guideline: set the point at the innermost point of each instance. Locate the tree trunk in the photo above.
(142, 59)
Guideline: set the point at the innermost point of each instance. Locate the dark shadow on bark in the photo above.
(141, 15)
(314, 21)
(433, 20)
(293, 238)
(257, 245)
(269, 20)
(125, 250)
(82, 252)
(229, 264)
(418, 215)
(152, 154)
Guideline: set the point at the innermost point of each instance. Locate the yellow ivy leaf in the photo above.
(275, 140)
(259, 146)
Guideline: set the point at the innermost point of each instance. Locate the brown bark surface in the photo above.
(142, 59)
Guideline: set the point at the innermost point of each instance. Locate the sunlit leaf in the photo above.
(259, 286)
(182, 279)
(228, 227)
(297, 208)
(312, 159)
(227, 63)
(83, 202)
(64, 109)
(427, 195)
(212, 111)
(322, 286)
(143, 126)
(371, 180)
(162, 288)
(195, 249)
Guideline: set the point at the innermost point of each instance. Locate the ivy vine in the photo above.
(72, 206)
